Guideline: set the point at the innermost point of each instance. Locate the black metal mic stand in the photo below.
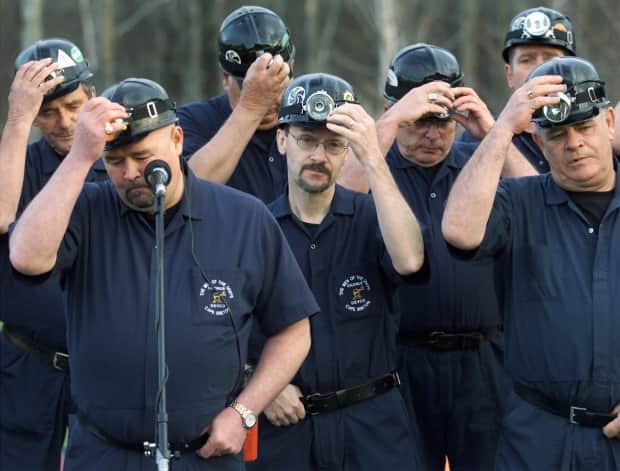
(162, 451)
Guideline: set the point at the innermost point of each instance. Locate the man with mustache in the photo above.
(559, 236)
(227, 266)
(230, 138)
(450, 339)
(343, 409)
(48, 91)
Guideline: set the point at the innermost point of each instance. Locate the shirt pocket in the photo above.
(539, 272)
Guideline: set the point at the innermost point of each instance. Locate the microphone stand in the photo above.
(162, 452)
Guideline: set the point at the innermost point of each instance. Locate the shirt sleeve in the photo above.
(497, 234)
(198, 128)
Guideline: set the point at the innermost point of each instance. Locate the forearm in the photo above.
(217, 159)
(387, 129)
(399, 227)
(471, 198)
(282, 356)
(516, 165)
(39, 231)
(13, 146)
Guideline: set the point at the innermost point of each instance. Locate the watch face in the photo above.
(249, 421)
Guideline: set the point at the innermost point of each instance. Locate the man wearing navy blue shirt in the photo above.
(343, 410)
(559, 234)
(450, 340)
(48, 92)
(227, 265)
(230, 138)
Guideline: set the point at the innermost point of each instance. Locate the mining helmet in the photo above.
(71, 64)
(246, 34)
(310, 98)
(418, 64)
(584, 96)
(542, 26)
(148, 106)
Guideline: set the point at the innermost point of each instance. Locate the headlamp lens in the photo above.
(536, 23)
(558, 112)
(319, 105)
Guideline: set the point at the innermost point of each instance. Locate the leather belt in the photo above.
(58, 360)
(440, 340)
(147, 448)
(575, 414)
(321, 403)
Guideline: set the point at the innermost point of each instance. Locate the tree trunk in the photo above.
(31, 21)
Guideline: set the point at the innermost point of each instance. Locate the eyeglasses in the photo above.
(311, 143)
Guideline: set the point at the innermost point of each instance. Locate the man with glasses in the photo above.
(230, 138)
(343, 409)
(450, 339)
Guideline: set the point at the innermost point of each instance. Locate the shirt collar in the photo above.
(342, 203)
(554, 194)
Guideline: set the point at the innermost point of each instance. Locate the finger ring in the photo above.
(432, 97)
(530, 94)
(108, 129)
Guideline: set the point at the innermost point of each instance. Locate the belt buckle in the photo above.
(571, 415)
(149, 448)
(396, 377)
(436, 335)
(60, 361)
(308, 402)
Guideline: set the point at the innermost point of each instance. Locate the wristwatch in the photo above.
(248, 418)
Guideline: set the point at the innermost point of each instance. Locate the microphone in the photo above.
(157, 173)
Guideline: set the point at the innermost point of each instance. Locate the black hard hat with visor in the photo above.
(71, 64)
(248, 33)
(540, 26)
(148, 106)
(584, 96)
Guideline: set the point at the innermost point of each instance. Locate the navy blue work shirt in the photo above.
(562, 291)
(36, 312)
(350, 272)
(457, 295)
(261, 170)
(225, 259)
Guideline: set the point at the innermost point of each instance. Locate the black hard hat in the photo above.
(309, 98)
(540, 25)
(71, 63)
(148, 106)
(418, 64)
(584, 96)
(247, 33)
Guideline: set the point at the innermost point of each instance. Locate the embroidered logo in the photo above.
(354, 292)
(217, 294)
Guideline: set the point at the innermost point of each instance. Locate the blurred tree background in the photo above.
(175, 41)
